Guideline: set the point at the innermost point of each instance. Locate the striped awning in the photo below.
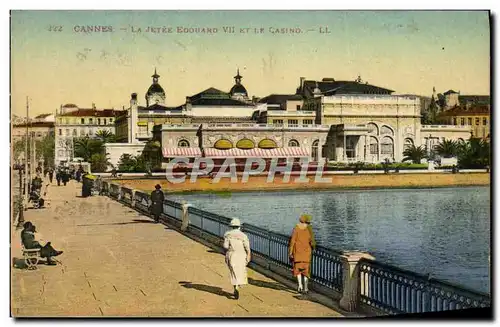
(291, 152)
(181, 152)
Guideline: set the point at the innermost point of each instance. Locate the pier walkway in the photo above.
(116, 262)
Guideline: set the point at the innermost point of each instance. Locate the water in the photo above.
(444, 231)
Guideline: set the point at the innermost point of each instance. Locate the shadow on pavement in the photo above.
(134, 221)
(207, 288)
(19, 263)
(272, 285)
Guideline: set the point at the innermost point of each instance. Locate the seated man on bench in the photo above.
(30, 242)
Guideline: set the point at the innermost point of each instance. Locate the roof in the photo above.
(37, 124)
(280, 98)
(343, 87)
(464, 111)
(43, 116)
(475, 99)
(93, 112)
(158, 107)
(238, 88)
(214, 97)
(70, 105)
(450, 92)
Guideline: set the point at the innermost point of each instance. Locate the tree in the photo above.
(105, 136)
(99, 162)
(414, 154)
(45, 149)
(474, 153)
(447, 148)
(85, 147)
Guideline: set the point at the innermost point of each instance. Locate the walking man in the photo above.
(51, 174)
(238, 255)
(157, 198)
(300, 250)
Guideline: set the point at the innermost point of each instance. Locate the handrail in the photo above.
(395, 290)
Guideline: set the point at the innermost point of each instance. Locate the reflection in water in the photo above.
(444, 232)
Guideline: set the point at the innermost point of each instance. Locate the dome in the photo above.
(238, 88)
(155, 88)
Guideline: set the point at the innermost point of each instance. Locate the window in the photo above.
(82, 121)
(307, 122)
(462, 121)
(477, 121)
(469, 121)
(98, 121)
(90, 121)
(298, 107)
(104, 121)
(454, 121)
(278, 122)
(67, 131)
(60, 131)
(293, 122)
(183, 144)
(293, 143)
(485, 121)
(314, 152)
(111, 120)
(373, 145)
(74, 132)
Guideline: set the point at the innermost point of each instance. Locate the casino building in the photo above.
(327, 120)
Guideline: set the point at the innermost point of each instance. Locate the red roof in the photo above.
(464, 111)
(93, 112)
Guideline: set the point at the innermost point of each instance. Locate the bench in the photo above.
(31, 257)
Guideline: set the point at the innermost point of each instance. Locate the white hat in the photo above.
(235, 222)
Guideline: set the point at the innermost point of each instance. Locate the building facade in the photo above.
(476, 117)
(72, 122)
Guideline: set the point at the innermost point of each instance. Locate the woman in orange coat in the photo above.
(300, 250)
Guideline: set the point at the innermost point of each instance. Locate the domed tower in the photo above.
(155, 93)
(238, 91)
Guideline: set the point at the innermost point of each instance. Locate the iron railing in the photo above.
(383, 287)
(394, 290)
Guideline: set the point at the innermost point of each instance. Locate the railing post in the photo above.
(185, 216)
(350, 266)
(132, 204)
(119, 192)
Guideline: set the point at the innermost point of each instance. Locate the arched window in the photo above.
(245, 144)
(408, 143)
(373, 145)
(372, 128)
(314, 152)
(223, 144)
(386, 130)
(293, 143)
(267, 144)
(387, 146)
(183, 144)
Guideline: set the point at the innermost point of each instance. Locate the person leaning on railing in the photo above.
(300, 250)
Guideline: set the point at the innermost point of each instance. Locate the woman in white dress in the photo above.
(238, 255)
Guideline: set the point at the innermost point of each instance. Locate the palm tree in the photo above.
(99, 162)
(474, 154)
(447, 148)
(85, 147)
(414, 154)
(105, 136)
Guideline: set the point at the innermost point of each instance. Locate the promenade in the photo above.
(116, 262)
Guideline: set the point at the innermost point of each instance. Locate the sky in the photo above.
(53, 62)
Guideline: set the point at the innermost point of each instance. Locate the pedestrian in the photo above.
(65, 177)
(300, 250)
(185, 216)
(51, 174)
(238, 255)
(58, 177)
(157, 198)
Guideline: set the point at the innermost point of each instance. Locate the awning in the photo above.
(181, 152)
(291, 152)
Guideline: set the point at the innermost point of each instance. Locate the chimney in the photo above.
(133, 99)
(93, 105)
(302, 79)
